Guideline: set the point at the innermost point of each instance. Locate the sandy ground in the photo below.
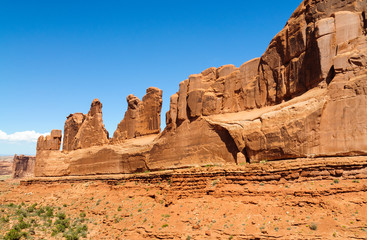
(194, 207)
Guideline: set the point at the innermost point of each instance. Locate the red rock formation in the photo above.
(322, 50)
(305, 97)
(50, 142)
(92, 131)
(142, 117)
(23, 166)
(6, 165)
(71, 129)
(84, 131)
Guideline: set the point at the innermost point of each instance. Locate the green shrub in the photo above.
(13, 234)
(61, 215)
(82, 214)
(40, 211)
(71, 235)
(4, 219)
(23, 225)
(49, 211)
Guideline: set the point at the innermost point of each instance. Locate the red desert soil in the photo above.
(294, 199)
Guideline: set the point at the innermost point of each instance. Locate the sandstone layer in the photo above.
(23, 166)
(305, 97)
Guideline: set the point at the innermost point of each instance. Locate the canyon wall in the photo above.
(305, 97)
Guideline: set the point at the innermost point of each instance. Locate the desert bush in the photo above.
(49, 211)
(4, 219)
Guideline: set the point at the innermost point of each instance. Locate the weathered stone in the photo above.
(225, 70)
(195, 102)
(92, 131)
(192, 144)
(304, 98)
(182, 101)
(210, 104)
(23, 166)
(50, 142)
(129, 157)
(71, 128)
(171, 117)
(142, 117)
(348, 26)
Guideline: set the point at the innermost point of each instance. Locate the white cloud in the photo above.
(26, 136)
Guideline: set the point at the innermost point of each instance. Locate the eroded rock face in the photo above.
(84, 131)
(23, 166)
(129, 157)
(50, 142)
(71, 129)
(304, 98)
(142, 117)
(92, 131)
(193, 144)
(322, 46)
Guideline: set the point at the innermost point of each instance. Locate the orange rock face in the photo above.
(71, 129)
(92, 131)
(305, 97)
(23, 166)
(50, 142)
(142, 117)
(83, 131)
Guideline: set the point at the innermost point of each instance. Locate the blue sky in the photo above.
(57, 56)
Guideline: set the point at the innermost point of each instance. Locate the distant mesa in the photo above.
(306, 96)
(23, 166)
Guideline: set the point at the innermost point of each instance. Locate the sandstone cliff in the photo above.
(23, 166)
(305, 97)
(87, 148)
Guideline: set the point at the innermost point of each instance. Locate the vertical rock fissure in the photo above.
(244, 152)
(330, 75)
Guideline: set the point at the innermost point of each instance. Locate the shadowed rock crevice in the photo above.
(330, 75)
(227, 139)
